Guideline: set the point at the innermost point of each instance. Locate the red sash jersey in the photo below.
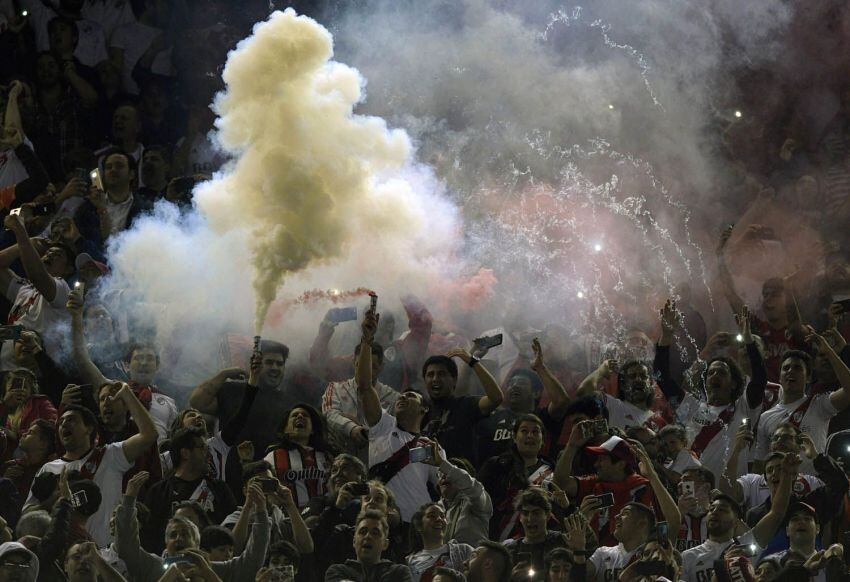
(693, 532)
(634, 488)
(303, 470)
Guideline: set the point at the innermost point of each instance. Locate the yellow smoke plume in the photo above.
(308, 176)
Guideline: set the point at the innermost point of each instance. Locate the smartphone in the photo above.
(420, 454)
(488, 341)
(79, 498)
(169, 561)
(651, 568)
(95, 179)
(10, 332)
(373, 301)
(340, 314)
(688, 488)
(605, 500)
(268, 484)
(662, 533)
(81, 286)
(15, 211)
(359, 489)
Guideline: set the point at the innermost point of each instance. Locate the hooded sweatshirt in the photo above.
(28, 574)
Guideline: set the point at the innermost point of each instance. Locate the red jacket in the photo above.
(37, 406)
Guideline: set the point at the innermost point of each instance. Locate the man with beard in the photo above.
(489, 562)
(524, 388)
(723, 518)
(634, 407)
(711, 424)
(190, 481)
(222, 395)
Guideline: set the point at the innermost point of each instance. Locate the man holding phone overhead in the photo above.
(38, 300)
(392, 437)
(616, 483)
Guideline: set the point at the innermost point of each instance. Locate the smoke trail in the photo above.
(307, 173)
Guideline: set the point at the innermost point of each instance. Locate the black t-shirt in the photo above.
(453, 426)
(538, 551)
(495, 433)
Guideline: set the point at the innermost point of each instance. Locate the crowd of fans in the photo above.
(690, 456)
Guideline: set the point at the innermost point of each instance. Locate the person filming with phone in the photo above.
(397, 450)
(21, 406)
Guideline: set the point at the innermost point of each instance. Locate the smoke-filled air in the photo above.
(547, 161)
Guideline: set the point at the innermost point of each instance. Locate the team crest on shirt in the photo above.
(91, 467)
(797, 417)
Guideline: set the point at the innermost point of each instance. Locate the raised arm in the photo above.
(12, 117)
(135, 446)
(766, 528)
(665, 500)
(492, 393)
(34, 268)
(670, 322)
(728, 482)
(555, 391)
(758, 378)
(726, 280)
(90, 373)
(369, 398)
(205, 396)
(840, 398)
(564, 467)
(590, 385)
(127, 541)
(319, 352)
(300, 534)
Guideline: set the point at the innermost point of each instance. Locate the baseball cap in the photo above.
(85, 258)
(615, 447)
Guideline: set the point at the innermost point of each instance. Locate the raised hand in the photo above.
(743, 320)
(135, 484)
(670, 317)
(537, 362)
(574, 531)
(460, 353)
(245, 451)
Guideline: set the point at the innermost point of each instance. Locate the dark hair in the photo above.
(376, 515)
(377, 350)
(559, 554)
(251, 470)
(528, 417)
(590, 406)
(287, 549)
(507, 563)
(93, 496)
(416, 520)
(141, 345)
(441, 361)
(214, 536)
(704, 473)
(273, 347)
(194, 506)
(799, 355)
(89, 418)
(362, 471)
(676, 430)
(535, 496)
(318, 439)
(48, 427)
(736, 508)
(734, 371)
(771, 456)
(645, 510)
(448, 573)
(132, 165)
(162, 149)
(70, 256)
(536, 383)
(181, 440)
(57, 20)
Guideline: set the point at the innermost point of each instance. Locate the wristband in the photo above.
(473, 361)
